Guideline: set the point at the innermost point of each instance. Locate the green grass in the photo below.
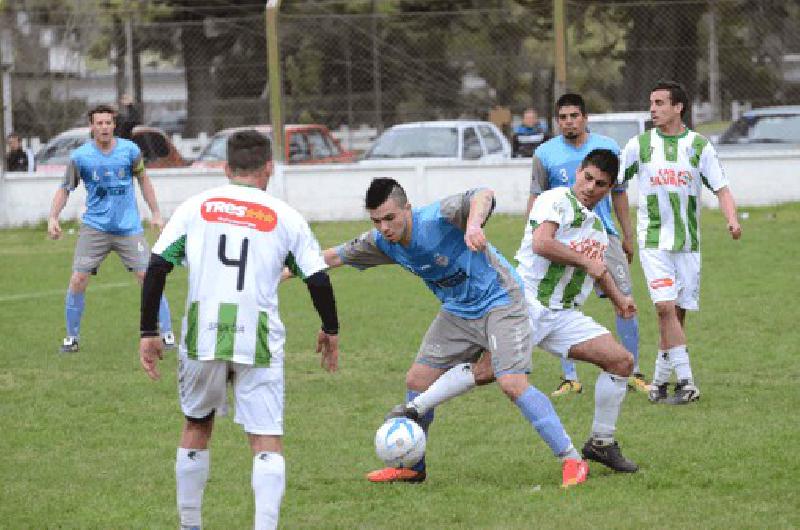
(87, 441)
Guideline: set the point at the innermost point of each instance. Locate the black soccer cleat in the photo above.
(403, 411)
(70, 345)
(608, 454)
(658, 393)
(685, 392)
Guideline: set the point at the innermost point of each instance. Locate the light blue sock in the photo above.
(425, 422)
(628, 331)
(569, 369)
(73, 310)
(164, 318)
(538, 410)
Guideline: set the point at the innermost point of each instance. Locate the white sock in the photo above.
(663, 368)
(191, 473)
(269, 483)
(679, 357)
(609, 391)
(456, 381)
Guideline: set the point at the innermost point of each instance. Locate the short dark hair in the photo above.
(382, 189)
(102, 109)
(248, 150)
(677, 94)
(571, 99)
(605, 160)
(13, 135)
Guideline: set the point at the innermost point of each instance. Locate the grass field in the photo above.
(87, 441)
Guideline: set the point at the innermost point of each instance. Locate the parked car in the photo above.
(765, 126)
(158, 150)
(447, 140)
(305, 144)
(621, 126)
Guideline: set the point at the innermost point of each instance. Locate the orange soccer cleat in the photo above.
(573, 472)
(396, 474)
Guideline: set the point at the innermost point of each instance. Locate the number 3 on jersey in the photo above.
(240, 263)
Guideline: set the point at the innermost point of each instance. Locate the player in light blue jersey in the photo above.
(483, 309)
(555, 163)
(106, 166)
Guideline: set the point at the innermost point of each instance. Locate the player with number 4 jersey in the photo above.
(671, 164)
(236, 240)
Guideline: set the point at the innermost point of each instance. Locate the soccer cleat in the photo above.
(403, 411)
(637, 383)
(169, 340)
(658, 393)
(70, 345)
(573, 472)
(685, 392)
(566, 387)
(396, 474)
(608, 454)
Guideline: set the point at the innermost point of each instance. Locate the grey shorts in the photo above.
(617, 264)
(505, 331)
(93, 246)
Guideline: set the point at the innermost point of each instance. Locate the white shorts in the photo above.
(672, 276)
(258, 392)
(558, 330)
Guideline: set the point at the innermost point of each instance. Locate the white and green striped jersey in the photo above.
(671, 171)
(235, 241)
(555, 285)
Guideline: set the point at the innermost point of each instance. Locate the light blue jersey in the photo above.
(560, 161)
(468, 283)
(108, 178)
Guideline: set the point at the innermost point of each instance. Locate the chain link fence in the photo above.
(193, 67)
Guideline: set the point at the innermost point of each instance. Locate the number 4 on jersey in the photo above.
(240, 263)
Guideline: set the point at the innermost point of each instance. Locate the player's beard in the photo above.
(571, 135)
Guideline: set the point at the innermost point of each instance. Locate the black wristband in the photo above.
(143, 334)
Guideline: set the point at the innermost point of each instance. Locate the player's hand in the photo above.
(475, 238)
(627, 307)
(151, 350)
(735, 230)
(627, 248)
(596, 268)
(286, 274)
(53, 228)
(328, 345)
(157, 222)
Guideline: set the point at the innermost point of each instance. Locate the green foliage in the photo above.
(89, 442)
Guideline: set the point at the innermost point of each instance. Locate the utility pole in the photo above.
(713, 62)
(275, 82)
(559, 47)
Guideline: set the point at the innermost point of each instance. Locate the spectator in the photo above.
(529, 135)
(17, 159)
(127, 117)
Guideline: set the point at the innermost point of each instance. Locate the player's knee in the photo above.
(665, 309)
(621, 364)
(78, 282)
(512, 386)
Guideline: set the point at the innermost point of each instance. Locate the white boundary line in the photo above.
(45, 294)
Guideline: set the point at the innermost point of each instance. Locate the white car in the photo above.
(621, 126)
(440, 140)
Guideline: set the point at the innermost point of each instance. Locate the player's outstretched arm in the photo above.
(151, 349)
(623, 304)
(59, 201)
(619, 199)
(332, 258)
(728, 207)
(149, 195)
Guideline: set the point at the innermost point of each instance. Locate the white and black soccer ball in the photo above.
(400, 442)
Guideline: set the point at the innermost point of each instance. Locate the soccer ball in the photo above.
(400, 442)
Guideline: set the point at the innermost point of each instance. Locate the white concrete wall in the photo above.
(335, 192)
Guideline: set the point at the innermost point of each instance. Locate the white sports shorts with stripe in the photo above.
(557, 330)
(94, 245)
(672, 276)
(505, 331)
(258, 392)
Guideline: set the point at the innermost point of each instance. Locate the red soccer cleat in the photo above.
(396, 474)
(573, 472)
